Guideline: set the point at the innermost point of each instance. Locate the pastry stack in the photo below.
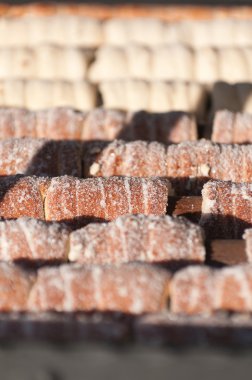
(126, 173)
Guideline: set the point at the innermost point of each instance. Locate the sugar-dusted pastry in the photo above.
(233, 289)
(22, 196)
(69, 198)
(138, 238)
(129, 288)
(16, 122)
(232, 97)
(156, 96)
(137, 158)
(65, 123)
(187, 165)
(192, 291)
(15, 286)
(39, 157)
(104, 124)
(59, 123)
(190, 164)
(226, 209)
(230, 127)
(247, 236)
(39, 94)
(33, 239)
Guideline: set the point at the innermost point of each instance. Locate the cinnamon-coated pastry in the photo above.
(138, 238)
(201, 290)
(64, 123)
(39, 157)
(59, 123)
(15, 286)
(33, 239)
(39, 94)
(230, 127)
(233, 289)
(105, 124)
(22, 196)
(129, 288)
(137, 158)
(188, 165)
(156, 96)
(192, 291)
(69, 198)
(226, 209)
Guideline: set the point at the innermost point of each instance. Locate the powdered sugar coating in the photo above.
(21, 196)
(102, 124)
(188, 165)
(65, 123)
(138, 238)
(59, 123)
(192, 291)
(32, 239)
(68, 198)
(39, 157)
(129, 288)
(137, 159)
(230, 127)
(226, 209)
(15, 285)
(53, 123)
(233, 289)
